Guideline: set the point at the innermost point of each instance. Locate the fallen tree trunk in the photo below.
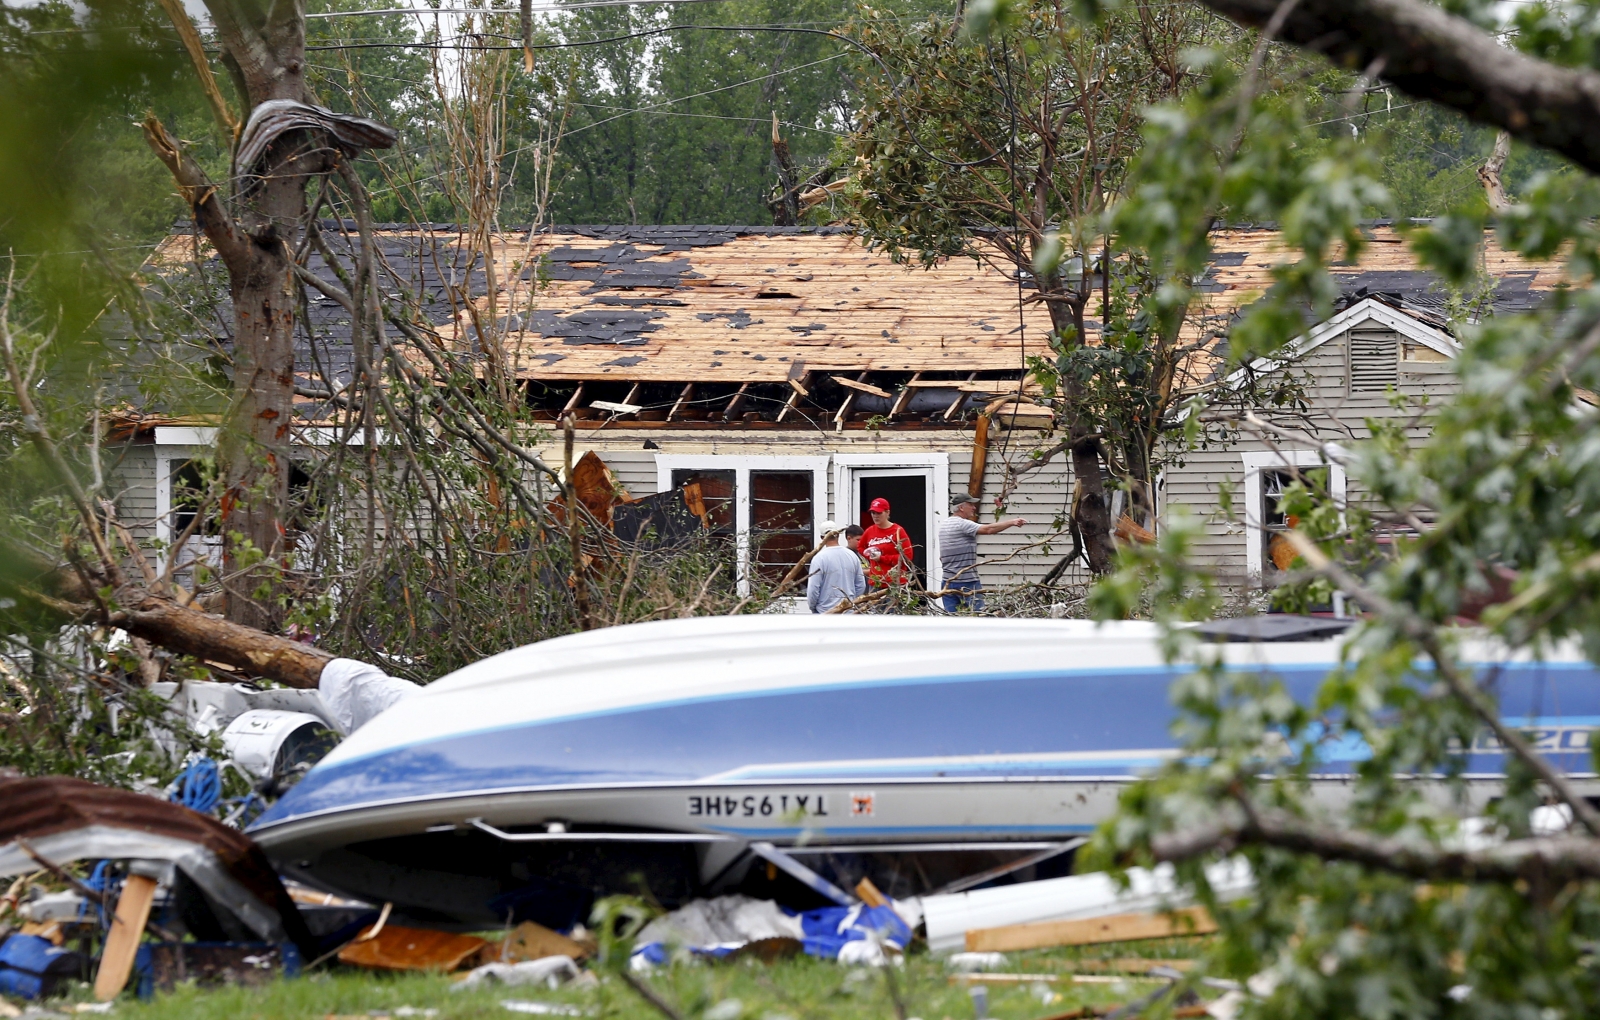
(164, 621)
(188, 631)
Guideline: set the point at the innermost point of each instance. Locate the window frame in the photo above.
(741, 465)
(1271, 461)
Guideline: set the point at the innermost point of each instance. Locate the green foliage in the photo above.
(1505, 485)
(1025, 132)
(677, 128)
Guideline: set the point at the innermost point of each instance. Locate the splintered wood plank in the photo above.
(860, 383)
(1095, 930)
(904, 397)
(133, 911)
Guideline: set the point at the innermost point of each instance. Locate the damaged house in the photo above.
(796, 375)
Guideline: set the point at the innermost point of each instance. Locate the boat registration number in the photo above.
(740, 804)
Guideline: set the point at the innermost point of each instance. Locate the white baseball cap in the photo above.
(829, 527)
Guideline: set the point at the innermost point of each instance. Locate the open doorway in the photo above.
(907, 493)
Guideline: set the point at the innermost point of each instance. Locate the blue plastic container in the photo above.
(31, 967)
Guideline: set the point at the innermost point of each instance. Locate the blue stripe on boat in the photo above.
(869, 729)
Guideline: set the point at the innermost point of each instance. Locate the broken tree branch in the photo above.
(202, 67)
(199, 194)
(1494, 188)
(1555, 859)
(1434, 55)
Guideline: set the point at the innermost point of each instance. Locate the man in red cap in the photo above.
(887, 548)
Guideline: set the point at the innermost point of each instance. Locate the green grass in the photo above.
(798, 989)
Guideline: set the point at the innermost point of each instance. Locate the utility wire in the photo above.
(580, 6)
(647, 33)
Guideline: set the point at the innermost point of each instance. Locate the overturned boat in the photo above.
(698, 756)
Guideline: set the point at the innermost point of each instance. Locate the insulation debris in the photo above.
(718, 927)
(552, 972)
(952, 920)
(354, 692)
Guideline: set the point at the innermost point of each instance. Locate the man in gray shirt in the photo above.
(836, 572)
(958, 552)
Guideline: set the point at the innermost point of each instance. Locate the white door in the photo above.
(911, 492)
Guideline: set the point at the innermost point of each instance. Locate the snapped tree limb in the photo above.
(198, 192)
(1557, 858)
(1431, 54)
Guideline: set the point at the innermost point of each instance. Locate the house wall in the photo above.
(1349, 380)
(131, 476)
(1015, 556)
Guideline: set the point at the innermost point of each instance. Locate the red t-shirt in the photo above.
(889, 542)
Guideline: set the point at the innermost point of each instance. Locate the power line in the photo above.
(643, 109)
(858, 44)
(697, 95)
(582, 5)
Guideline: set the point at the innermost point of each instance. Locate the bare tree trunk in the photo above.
(1489, 174)
(785, 204)
(1091, 510)
(255, 451)
(255, 234)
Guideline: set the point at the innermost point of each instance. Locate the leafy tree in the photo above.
(676, 127)
(1009, 150)
(1380, 905)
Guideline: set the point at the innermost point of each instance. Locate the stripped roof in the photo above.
(728, 304)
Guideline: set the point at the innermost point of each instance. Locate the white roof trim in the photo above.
(1363, 311)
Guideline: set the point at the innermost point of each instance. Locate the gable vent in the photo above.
(1374, 360)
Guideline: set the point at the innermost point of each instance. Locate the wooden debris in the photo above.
(50, 931)
(397, 948)
(530, 941)
(859, 384)
(799, 386)
(736, 402)
(1128, 531)
(116, 962)
(1095, 930)
(870, 895)
(684, 396)
(904, 396)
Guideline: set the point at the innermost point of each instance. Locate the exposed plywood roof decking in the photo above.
(748, 306)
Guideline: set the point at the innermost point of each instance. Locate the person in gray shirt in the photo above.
(958, 552)
(836, 572)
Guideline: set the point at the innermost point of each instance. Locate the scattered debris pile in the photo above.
(158, 867)
(729, 925)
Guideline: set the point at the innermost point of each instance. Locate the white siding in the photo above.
(1341, 388)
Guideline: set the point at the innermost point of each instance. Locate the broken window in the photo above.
(191, 483)
(766, 508)
(1276, 552)
(781, 519)
(719, 490)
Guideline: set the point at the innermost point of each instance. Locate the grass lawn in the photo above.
(802, 988)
